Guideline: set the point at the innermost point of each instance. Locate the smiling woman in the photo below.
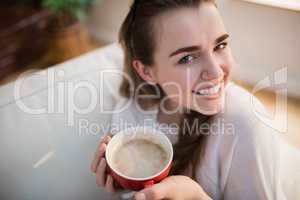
(178, 60)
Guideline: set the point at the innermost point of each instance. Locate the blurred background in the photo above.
(37, 34)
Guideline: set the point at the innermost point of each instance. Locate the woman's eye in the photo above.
(186, 59)
(221, 46)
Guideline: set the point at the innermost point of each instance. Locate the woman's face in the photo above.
(192, 58)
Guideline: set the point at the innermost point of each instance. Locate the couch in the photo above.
(51, 122)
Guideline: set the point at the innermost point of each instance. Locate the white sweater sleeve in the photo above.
(263, 166)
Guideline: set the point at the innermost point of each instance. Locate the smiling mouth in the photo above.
(211, 91)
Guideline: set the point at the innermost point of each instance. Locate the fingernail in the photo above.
(140, 196)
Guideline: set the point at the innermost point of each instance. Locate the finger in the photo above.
(110, 135)
(97, 157)
(109, 186)
(139, 196)
(101, 173)
(100, 152)
(155, 192)
(105, 140)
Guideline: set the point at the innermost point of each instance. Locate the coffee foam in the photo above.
(139, 158)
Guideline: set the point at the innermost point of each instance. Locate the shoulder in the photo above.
(249, 121)
(238, 140)
(251, 147)
(242, 103)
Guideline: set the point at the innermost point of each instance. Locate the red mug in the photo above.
(124, 136)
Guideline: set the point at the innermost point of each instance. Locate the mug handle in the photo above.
(149, 183)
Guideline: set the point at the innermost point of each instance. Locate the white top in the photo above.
(245, 158)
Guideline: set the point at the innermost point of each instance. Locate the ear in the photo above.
(145, 72)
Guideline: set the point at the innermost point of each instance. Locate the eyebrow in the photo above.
(197, 48)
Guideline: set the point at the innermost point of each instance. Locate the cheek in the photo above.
(226, 68)
(178, 83)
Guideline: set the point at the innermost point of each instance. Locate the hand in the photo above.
(98, 166)
(173, 188)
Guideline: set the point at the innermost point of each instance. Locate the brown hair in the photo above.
(137, 37)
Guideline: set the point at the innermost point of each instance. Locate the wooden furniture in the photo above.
(22, 37)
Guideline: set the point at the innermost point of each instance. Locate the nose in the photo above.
(211, 69)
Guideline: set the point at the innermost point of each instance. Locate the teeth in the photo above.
(211, 91)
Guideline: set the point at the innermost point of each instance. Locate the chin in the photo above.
(208, 111)
(210, 108)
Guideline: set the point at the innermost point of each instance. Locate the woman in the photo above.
(178, 59)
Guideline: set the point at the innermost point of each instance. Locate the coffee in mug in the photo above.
(139, 157)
